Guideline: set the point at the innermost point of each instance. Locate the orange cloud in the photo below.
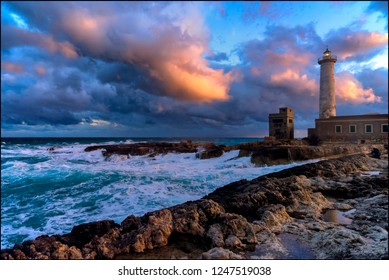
(361, 41)
(40, 70)
(293, 78)
(195, 87)
(288, 59)
(350, 90)
(15, 36)
(168, 43)
(64, 48)
(12, 67)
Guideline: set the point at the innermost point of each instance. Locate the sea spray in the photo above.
(49, 186)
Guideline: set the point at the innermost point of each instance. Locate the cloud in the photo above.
(290, 78)
(219, 56)
(40, 70)
(378, 6)
(167, 42)
(350, 90)
(356, 46)
(12, 67)
(146, 69)
(12, 36)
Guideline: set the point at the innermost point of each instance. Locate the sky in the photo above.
(184, 69)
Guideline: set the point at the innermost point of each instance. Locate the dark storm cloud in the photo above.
(114, 78)
(12, 36)
(159, 39)
(37, 111)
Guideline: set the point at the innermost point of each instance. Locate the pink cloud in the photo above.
(12, 67)
(15, 36)
(292, 78)
(356, 44)
(168, 43)
(350, 90)
(40, 70)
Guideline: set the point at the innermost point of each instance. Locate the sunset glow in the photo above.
(184, 68)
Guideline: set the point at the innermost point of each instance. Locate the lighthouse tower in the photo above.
(327, 105)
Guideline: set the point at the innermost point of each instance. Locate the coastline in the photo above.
(271, 217)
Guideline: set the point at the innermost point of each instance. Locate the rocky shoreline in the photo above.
(292, 214)
(268, 152)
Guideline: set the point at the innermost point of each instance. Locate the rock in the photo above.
(233, 242)
(59, 251)
(244, 215)
(140, 149)
(54, 148)
(342, 206)
(215, 234)
(210, 208)
(154, 232)
(337, 243)
(221, 254)
(131, 223)
(189, 219)
(85, 232)
(316, 226)
(275, 216)
(211, 152)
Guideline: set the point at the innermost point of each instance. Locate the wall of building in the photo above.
(353, 129)
(281, 125)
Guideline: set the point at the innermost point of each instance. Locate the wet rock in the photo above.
(211, 152)
(83, 233)
(140, 149)
(244, 216)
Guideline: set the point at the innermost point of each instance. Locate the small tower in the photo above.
(327, 105)
(281, 125)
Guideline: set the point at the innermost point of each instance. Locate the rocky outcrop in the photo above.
(279, 216)
(210, 151)
(283, 154)
(151, 148)
(261, 153)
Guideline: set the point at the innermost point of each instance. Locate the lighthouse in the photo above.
(327, 104)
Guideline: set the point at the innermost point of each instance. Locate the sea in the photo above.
(49, 185)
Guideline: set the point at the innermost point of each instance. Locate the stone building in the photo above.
(332, 128)
(281, 125)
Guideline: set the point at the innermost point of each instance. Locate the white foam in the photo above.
(111, 188)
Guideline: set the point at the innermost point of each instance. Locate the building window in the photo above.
(353, 128)
(290, 121)
(368, 128)
(384, 128)
(338, 129)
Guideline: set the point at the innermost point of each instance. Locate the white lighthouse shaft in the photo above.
(327, 105)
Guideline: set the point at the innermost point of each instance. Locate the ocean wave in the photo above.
(71, 186)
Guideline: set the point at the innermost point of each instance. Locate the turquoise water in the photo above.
(48, 192)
